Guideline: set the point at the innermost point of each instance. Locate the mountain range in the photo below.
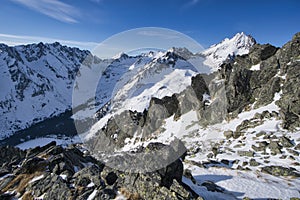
(218, 124)
(37, 80)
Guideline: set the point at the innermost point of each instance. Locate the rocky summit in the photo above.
(163, 129)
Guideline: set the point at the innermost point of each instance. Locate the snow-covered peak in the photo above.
(183, 52)
(120, 55)
(218, 53)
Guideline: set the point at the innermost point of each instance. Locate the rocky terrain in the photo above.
(53, 172)
(227, 134)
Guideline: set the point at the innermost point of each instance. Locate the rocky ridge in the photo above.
(53, 172)
(263, 83)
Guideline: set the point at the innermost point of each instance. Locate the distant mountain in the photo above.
(36, 83)
(218, 53)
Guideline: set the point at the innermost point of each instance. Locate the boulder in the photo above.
(280, 171)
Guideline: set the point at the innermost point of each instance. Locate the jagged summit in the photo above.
(238, 45)
(182, 51)
(120, 55)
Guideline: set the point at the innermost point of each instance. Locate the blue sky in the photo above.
(86, 23)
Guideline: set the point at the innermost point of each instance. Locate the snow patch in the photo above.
(255, 67)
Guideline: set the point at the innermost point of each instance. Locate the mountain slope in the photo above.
(257, 143)
(36, 83)
(38, 80)
(216, 54)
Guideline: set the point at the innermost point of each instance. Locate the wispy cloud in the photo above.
(52, 8)
(159, 34)
(13, 40)
(191, 3)
(96, 1)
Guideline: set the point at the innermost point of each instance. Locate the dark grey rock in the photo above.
(297, 147)
(289, 102)
(261, 133)
(212, 187)
(280, 171)
(111, 178)
(246, 153)
(286, 142)
(274, 147)
(261, 52)
(253, 162)
(163, 183)
(295, 153)
(228, 134)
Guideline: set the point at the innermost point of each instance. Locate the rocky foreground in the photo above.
(54, 172)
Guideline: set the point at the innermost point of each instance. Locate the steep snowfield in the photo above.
(163, 75)
(218, 53)
(155, 79)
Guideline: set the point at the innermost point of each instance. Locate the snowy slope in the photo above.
(157, 75)
(37, 80)
(165, 75)
(231, 163)
(36, 83)
(218, 53)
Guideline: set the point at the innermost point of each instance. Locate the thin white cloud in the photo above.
(13, 40)
(52, 8)
(96, 1)
(191, 3)
(160, 34)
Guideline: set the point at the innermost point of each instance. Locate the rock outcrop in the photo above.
(54, 172)
(255, 78)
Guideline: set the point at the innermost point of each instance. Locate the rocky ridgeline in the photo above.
(276, 71)
(54, 172)
(237, 81)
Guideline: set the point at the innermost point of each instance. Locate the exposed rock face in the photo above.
(238, 90)
(55, 172)
(242, 86)
(289, 59)
(260, 52)
(278, 71)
